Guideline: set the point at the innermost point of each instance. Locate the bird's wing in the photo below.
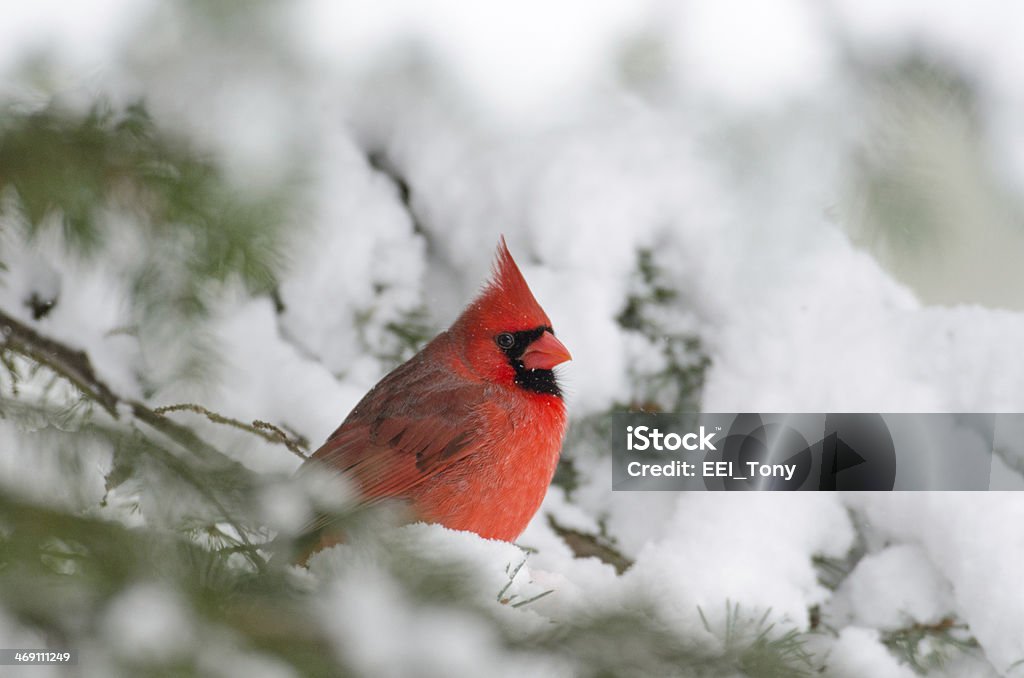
(405, 431)
(390, 454)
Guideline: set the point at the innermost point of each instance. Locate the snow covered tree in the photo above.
(213, 248)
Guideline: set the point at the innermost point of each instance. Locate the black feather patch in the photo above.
(538, 381)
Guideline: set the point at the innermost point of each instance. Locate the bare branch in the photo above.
(74, 365)
(263, 429)
(71, 364)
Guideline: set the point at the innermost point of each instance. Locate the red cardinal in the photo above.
(468, 431)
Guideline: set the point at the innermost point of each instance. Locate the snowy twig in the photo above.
(263, 429)
(754, 643)
(71, 364)
(296, 443)
(928, 646)
(537, 597)
(511, 578)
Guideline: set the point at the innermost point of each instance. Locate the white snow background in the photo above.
(726, 153)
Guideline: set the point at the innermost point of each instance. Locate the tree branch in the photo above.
(263, 429)
(585, 545)
(71, 364)
(74, 365)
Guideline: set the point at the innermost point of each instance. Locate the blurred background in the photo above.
(221, 223)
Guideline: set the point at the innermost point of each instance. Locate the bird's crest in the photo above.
(507, 296)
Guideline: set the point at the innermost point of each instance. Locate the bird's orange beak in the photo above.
(544, 353)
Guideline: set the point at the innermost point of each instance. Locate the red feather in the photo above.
(463, 432)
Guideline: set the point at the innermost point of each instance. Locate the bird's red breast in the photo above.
(468, 431)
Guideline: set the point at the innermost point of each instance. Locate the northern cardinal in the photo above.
(469, 430)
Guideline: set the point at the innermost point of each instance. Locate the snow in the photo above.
(482, 45)
(774, 52)
(84, 36)
(298, 387)
(149, 622)
(761, 562)
(341, 267)
(512, 122)
(384, 633)
(973, 541)
(894, 588)
(858, 652)
(86, 313)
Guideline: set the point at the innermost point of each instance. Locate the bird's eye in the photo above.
(505, 340)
